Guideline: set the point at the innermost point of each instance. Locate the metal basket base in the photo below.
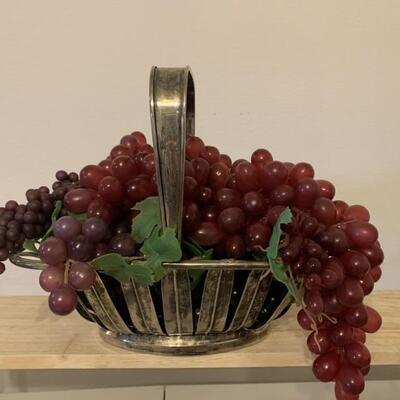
(180, 344)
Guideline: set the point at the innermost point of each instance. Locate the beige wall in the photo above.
(310, 80)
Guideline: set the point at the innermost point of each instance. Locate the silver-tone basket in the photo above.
(227, 309)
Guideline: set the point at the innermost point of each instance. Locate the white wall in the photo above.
(310, 80)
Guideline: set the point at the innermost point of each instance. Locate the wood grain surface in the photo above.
(32, 338)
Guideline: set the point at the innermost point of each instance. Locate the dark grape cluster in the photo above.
(31, 220)
(106, 194)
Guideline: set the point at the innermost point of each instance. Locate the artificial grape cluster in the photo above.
(31, 220)
(105, 196)
(331, 249)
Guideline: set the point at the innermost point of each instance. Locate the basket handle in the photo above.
(172, 115)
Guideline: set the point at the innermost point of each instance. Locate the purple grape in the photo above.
(81, 276)
(123, 244)
(53, 251)
(80, 249)
(52, 278)
(63, 300)
(67, 228)
(95, 229)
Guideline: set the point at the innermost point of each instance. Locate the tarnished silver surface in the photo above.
(182, 345)
(176, 330)
(246, 300)
(215, 301)
(104, 307)
(172, 119)
(141, 308)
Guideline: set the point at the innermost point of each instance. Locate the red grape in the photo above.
(210, 214)
(341, 394)
(334, 240)
(342, 334)
(374, 254)
(324, 210)
(261, 156)
(218, 175)
(147, 164)
(234, 247)
(189, 170)
(232, 220)
(120, 151)
(367, 284)
(359, 335)
(254, 204)
(194, 147)
(123, 168)
(355, 263)
(110, 189)
(246, 177)
(78, 200)
(140, 138)
(304, 320)
(130, 142)
(351, 379)
(376, 273)
(224, 158)
(314, 302)
(210, 154)
(331, 304)
(356, 212)
(356, 316)
(300, 171)
(374, 321)
(91, 175)
(106, 164)
(191, 217)
(282, 195)
(257, 236)
(139, 188)
(329, 279)
(341, 207)
(273, 214)
(190, 188)
(205, 196)
(326, 366)
(271, 175)
(325, 189)
(306, 192)
(312, 282)
(319, 342)
(361, 234)
(227, 198)
(208, 234)
(201, 169)
(350, 293)
(357, 354)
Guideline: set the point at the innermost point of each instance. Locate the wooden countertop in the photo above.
(32, 338)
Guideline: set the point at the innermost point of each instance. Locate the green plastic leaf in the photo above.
(118, 267)
(80, 217)
(284, 218)
(30, 245)
(54, 216)
(278, 268)
(163, 244)
(147, 219)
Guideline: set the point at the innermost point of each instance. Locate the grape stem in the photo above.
(68, 264)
